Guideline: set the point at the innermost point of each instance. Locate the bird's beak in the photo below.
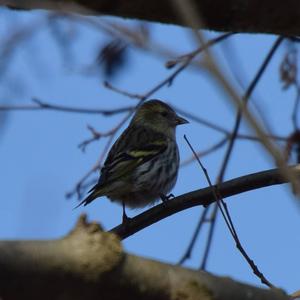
(180, 120)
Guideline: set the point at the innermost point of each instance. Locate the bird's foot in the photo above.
(166, 198)
(125, 219)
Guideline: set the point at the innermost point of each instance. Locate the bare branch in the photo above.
(96, 135)
(78, 187)
(189, 56)
(204, 197)
(205, 152)
(40, 105)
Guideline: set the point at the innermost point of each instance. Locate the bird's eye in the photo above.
(164, 113)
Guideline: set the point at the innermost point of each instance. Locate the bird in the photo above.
(142, 165)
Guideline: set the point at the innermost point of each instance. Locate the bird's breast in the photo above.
(160, 173)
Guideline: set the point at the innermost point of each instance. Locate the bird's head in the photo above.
(159, 116)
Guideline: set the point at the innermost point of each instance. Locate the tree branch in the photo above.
(203, 197)
(256, 16)
(90, 264)
(40, 105)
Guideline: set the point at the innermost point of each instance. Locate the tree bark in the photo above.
(90, 264)
(255, 16)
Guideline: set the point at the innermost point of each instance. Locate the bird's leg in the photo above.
(165, 198)
(125, 218)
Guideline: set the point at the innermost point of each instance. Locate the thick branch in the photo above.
(202, 197)
(256, 16)
(90, 264)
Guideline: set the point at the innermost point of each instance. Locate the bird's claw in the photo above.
(166, 198)
(125, 219)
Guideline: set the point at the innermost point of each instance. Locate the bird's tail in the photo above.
(95, 192)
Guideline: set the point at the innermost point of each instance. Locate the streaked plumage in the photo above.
(142, 165)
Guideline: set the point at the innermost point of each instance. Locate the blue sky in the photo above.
(40, 159)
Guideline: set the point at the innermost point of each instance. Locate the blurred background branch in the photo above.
(275, 17)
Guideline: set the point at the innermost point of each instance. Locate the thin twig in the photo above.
(78, 187)
(296, 106)
(217, 197)
(40, 105)
(188, 252)
(111, 134)
(169, 80)
(109, 86)
(96, 135)
(205, 152)
(209, 239)
(191, 55)
(228, 220)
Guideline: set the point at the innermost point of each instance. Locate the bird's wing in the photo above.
(134, 147)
